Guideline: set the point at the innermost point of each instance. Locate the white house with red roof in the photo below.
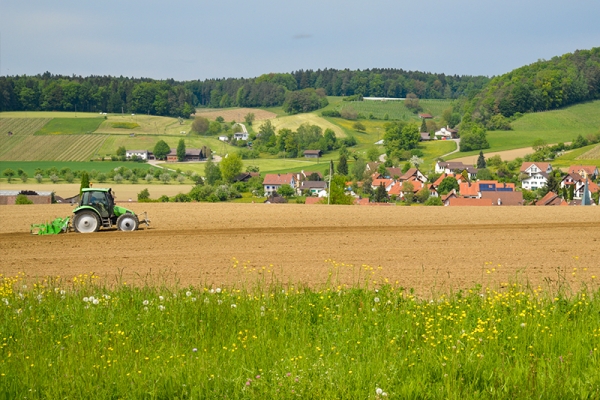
(273, 182)
(531, 168)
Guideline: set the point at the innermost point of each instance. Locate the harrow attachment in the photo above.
(59, 225)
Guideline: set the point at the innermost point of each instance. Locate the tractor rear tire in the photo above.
(86, 222)
(128, 222)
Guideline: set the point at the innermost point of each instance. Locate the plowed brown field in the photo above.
(430, 249)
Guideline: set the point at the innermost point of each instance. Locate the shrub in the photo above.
(22, 199)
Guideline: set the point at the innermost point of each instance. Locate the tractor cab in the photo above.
(100, 199)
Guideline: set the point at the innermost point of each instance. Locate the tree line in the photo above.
(544, 85)
(48, 92)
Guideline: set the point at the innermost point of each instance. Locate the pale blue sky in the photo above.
(187, 40)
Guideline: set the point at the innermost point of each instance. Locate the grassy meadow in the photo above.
(556, 126)
(70, 126)
(81, 336)
(396, 109)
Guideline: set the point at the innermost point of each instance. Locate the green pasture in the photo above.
(264, 338)
(70, 126)
(396, 108)
(30, 167)
(293, 122)
(146, 125)
(266, 165)
(588, 155)
(557, 126)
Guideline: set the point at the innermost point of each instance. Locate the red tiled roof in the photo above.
(550, 199)
(543, 166)
(504, 198)
(278, 179)
(386, 182)
(425, 115)
(589, 169)
(461, 201)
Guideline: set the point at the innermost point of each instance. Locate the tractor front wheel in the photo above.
(86, 222)
(127, 222)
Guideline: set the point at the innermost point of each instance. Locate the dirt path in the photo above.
(426, 248)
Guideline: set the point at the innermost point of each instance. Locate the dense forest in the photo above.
(544, 85)
(47, 92)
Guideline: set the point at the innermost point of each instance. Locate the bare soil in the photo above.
(429, 249)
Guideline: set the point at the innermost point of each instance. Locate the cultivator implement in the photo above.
(59, 225)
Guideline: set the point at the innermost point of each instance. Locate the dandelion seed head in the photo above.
(188, 293)
(145, 302)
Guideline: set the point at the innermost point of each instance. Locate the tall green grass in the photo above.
(70, 126)
(81, 338)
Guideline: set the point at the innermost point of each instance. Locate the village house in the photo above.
(413, 173)
(401, 188)
(240, 136)
(551, 199)
(446, 133)
(140, 154)
(531, 168)
(456, 167)
(500, 198)
(190, 154)
(313, 187)
(535, 181)
(273, 182)
(585, 171)
(474, 190)
(387, 183)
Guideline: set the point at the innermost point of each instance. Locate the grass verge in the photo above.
(268, 339)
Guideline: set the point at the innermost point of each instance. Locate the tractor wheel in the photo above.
(86, 222)
(127, 222)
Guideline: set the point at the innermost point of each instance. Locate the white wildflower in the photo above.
(85, 299)
(233, 306)
(211, 291)
(188, 293)
(145, 302)
(522, 324)
(161, 298)
(379, 391)
(96, 301)
(5, 300)
(194, 299)
(376, 300)
(161, 307)
(218, 290)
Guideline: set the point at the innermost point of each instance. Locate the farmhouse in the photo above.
(240, 136)
(273, 182)
(312, 153)
(190, 154)
(446, 133)
(140, 154)
(425, 116)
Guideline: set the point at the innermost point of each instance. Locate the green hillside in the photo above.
(556, 126)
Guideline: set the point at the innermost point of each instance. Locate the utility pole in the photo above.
(330, 173)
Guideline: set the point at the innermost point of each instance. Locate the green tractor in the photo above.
(97, 210)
